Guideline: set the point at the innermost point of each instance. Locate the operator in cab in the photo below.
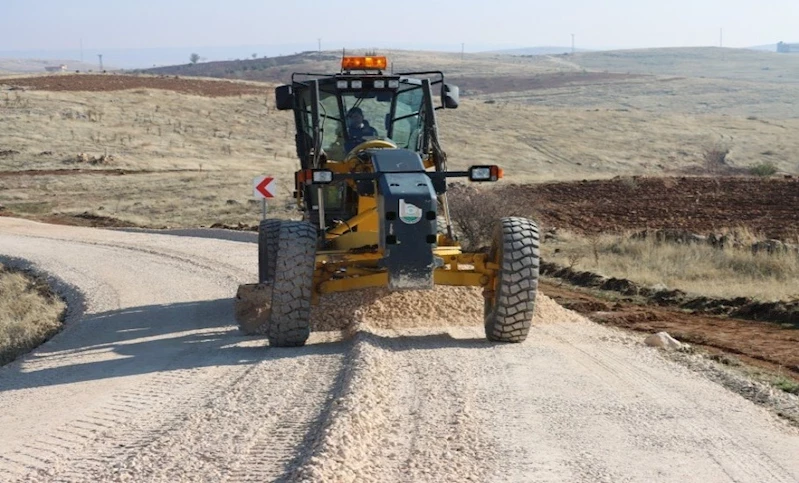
(358, 128)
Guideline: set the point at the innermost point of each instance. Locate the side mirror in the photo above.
(284, 98)
(449, 96)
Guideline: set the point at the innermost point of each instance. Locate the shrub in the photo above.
(786, 384)
(763, 169)
(29, 314)
(475, 213)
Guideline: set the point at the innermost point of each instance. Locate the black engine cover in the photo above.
(406, 204)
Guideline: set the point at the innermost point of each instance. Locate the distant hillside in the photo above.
(142, 58)
(709, 62)
(279, 69)
(271, 69)
(479, 73)
(27, 66)
(541, 50)
(766, 48)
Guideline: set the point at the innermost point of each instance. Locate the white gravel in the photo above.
(152, 382)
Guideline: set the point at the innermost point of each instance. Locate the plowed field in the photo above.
(112, 82)
(769, 206)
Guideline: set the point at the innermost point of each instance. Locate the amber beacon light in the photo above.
(364, 63)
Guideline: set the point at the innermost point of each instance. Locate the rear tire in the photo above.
(509, 310)
(268, 235)
(292, 286)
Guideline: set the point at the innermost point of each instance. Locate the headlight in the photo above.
(393, 84)
(322, 176)
(356, 84)
(380, 84)
(342, 84)
(485, 173)
(480, 174)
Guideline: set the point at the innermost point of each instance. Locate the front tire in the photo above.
(292, 286)
(509, 309)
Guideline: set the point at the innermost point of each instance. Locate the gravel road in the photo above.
(151, 381)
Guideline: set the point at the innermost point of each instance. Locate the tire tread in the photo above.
(509, 316)
(292, 287)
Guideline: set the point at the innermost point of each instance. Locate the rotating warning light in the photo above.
(364, 63)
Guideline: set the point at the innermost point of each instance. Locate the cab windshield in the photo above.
(402, 125)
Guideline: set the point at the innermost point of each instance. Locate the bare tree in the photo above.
(194, 58)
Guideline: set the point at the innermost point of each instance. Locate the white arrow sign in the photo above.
(264, 187)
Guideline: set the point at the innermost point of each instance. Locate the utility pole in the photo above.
(319, 45)
(101, 61)
(572, 43)
(721, 37)
(462, 49)
(81, 49)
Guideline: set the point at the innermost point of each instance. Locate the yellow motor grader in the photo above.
(372, 188)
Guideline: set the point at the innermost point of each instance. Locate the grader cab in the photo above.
(372, 190)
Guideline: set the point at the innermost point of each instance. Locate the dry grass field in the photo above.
(696, 268)
(29, 314)
(221, 143)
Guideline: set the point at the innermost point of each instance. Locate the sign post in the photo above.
(264, 187)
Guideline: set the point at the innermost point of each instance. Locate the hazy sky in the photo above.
(60, 24)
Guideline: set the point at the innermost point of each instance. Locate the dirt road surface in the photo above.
(151, 381)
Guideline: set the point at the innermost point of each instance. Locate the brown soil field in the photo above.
(80, 171)
(113, 82)
(698, 204)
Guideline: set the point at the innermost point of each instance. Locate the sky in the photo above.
(28, 25)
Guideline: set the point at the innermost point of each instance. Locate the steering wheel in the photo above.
(371, 144)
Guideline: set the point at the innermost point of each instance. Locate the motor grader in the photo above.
(375, 211)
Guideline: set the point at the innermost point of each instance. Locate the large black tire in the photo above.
(268, 234)
(292, 286)
(509, 310)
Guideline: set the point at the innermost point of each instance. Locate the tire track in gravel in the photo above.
(131, 419)
(735, 455)
(643, 405)
(239, 432)
(152, 381)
